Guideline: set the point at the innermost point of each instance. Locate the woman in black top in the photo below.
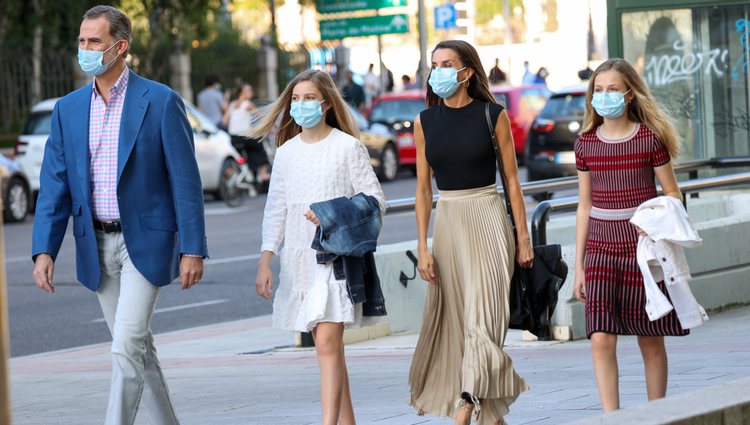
(459, 366)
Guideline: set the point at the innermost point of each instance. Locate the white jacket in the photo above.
(660, 257)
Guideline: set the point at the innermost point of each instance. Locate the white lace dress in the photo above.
(304, 173)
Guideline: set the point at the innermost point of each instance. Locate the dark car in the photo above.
(549, 148)
(15, 192)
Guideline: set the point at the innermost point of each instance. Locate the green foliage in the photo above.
(228, 57)
(59, 20)
(486, 10)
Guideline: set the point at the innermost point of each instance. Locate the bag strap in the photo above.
(500, 167)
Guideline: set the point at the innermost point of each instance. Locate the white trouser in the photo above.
(128, 301)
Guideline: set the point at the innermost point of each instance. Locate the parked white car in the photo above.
(213, 147)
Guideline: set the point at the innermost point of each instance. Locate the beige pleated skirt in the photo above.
(466, 314)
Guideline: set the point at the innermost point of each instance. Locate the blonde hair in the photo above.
(337, 115)
(643, 108)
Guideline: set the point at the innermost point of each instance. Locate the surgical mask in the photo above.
(306, 114)
(91, 63)
(610, 104)
(444, 81)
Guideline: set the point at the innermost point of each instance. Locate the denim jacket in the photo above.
(347, 237)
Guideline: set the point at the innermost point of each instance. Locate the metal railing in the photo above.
(542, 212)
(563, 183)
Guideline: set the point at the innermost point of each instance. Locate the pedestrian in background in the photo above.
(625, 141)
(528, 76)
(406, 83)
(353, 93)
(496, 75)
(541, 76)
(319, 158)
(120, 159)
(372, 85)
(459, 365)
(239, 118)
(211, 100)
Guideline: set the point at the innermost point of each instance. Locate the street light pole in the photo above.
(5, 416)
(422, 72)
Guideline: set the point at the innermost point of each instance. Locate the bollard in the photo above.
(306, 339)
(5, 416)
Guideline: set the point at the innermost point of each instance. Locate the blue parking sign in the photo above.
(445, 17)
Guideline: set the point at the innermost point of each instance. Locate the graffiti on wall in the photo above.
(665, 69)
(741, 26)
(681, 65)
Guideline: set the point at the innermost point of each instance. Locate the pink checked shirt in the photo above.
(104, 137)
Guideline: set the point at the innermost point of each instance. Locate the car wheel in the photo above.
(388, 163)
(16, 201)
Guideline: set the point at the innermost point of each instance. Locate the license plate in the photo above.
(405, 141)
(565, 158)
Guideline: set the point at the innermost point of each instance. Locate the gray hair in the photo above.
(119, 23)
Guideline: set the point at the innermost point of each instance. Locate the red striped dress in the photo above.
(622, 177)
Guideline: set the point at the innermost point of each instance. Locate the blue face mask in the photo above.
(91, 61)
(609, 105)
(307, 114)
(444, 81)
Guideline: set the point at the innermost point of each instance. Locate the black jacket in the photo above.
(533, 292)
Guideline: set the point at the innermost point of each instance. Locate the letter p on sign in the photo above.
(445, 17)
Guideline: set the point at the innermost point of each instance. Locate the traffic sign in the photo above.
(333, 6)
(445, 17)
(357, 27)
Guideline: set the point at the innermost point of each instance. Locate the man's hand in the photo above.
(44, 267)
(191, 271)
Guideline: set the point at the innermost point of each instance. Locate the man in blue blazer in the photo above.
(120, 159)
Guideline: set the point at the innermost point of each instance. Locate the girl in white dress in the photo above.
(318, 158)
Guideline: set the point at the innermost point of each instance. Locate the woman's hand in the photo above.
(310, 216)
(524, 253)
(264, 280)
(426, 266)
(579, 289)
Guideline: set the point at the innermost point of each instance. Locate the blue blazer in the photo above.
(159, 190)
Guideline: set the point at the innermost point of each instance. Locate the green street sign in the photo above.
(333, 6)
(358, 27)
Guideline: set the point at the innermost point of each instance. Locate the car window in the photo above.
(39, 123)
(361, 121)
(564, 105)
(533, 100)
(502, 99)
(391, 111)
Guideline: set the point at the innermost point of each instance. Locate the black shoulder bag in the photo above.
(533, 291)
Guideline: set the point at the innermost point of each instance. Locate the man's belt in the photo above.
(108, 226)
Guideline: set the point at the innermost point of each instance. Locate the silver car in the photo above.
(14, 190)
(213, 148)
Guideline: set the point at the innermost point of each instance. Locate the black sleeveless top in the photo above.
(458, 145)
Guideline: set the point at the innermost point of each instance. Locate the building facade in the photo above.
(694, 56)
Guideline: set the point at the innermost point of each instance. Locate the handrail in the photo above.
(560, 183)
(545, 208)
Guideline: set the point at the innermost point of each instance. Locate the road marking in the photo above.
(232, 259)
(227, 210)
(175, 308)
(17, 260)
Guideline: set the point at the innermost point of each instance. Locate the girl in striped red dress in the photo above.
(626, 141)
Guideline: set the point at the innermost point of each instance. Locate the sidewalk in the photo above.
(244, 373)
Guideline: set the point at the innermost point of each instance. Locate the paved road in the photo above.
(72, 317)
